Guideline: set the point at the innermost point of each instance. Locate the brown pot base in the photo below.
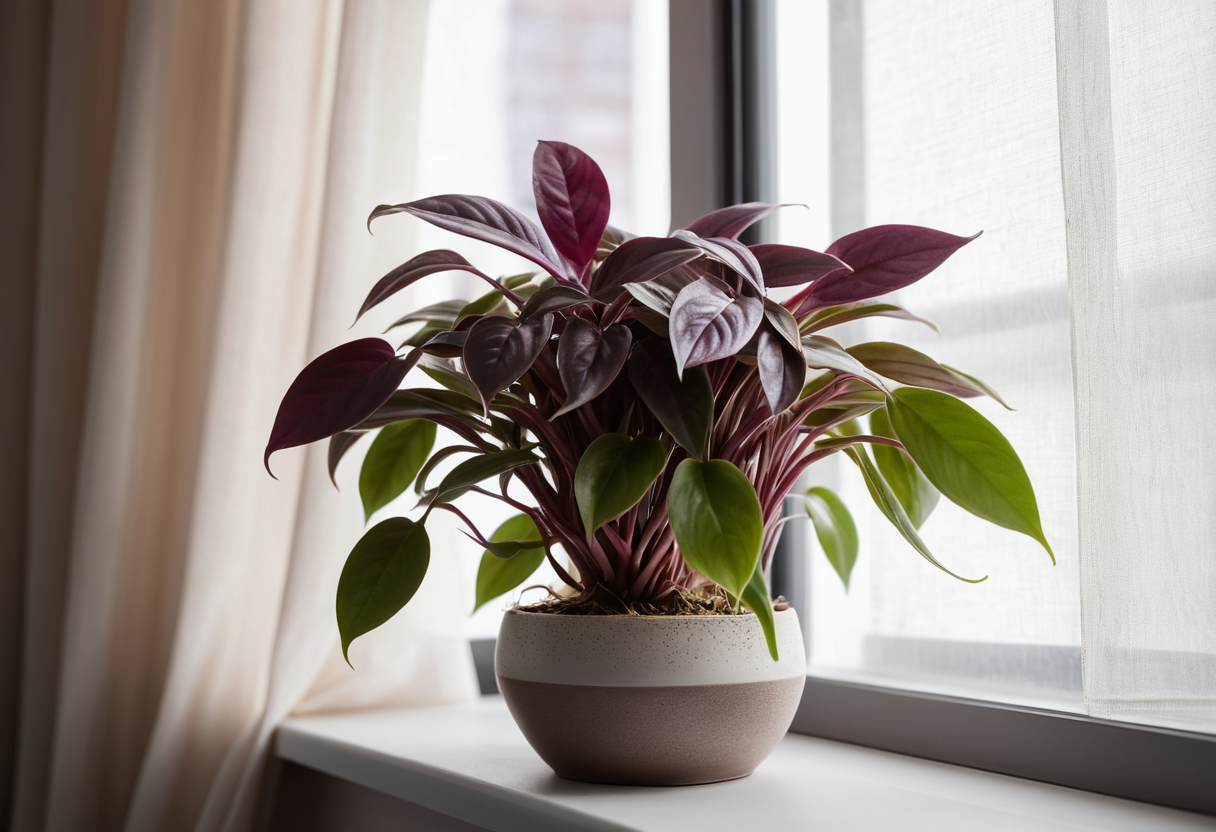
(653, 736)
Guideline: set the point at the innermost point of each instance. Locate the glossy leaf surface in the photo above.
(685, 407)
(835, 529)
(715, 515)
(571, 199)
(392, 462)
(908, 366)
(337, 391)
(967, 458)
(730, 253)
(497, 575)
(836, 315)
(784, 265)
(613, 474)
(913, 490)
(381, 575)
(731, 221)
(588, 360)
(782, 368)
(640, 260)
(552, 299)
(413, 270)
(339, 444)
(500, 350)
(478, 469)
(706, 324)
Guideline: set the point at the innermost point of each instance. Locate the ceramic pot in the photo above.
(654, 701)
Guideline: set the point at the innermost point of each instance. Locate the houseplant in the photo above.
(658, 407)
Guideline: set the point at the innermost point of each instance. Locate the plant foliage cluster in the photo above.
(654, 401)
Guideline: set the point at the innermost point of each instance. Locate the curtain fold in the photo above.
(207, 167)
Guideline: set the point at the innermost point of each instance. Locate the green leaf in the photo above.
(755, 596)
(835, 529)
(497, 575)
(967, 458)
(381, 575)
(393, 461)
(979, 385)
(913, 490)
(889, 505)
(715, 515)
(614, 473)
(443, 312)
(472, 471)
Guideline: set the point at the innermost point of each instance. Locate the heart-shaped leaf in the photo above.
(337, 391)
(552, 299)
(339, 444)
(588, 360)
(571, 199)
(755, 596)
(732, 221)
(889, 505)
(913, 490)
(835, 315)
(684, 407)
(498, 575)
(883, 258)
(427, 263)
(381, 575)
(908, 366)
(967, 458)
(393, 461)
(835, 529)
(730, 253)
(707, 324)
(613, 474)
(500, 350)
(640, 260)
(792, 266)
(485, 219)
(716, 517)
(479, 468)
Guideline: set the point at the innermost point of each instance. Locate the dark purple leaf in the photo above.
(684, 407)
(424, 403)
(589, 359)
(572, 200)
(731, 222)
(487, 220)
(640, 260)
(337, 391)
(782, 368)
(446, 344)
(500, 350)
(791, 265)
(427, 263)
(730, 253)
(339, 444)
(707, 324)
(883, 258)
(552, 299)
(783, 323)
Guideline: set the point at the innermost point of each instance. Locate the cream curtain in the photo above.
(203, 172)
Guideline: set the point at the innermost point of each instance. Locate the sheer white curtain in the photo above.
(179, 603)
(1078, 135)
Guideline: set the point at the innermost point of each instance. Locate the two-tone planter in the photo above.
(662, 701)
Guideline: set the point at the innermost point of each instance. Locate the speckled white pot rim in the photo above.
(646, 651)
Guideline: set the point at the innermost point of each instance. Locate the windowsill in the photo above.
(469, 761)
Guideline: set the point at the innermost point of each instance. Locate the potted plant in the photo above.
(658, 407)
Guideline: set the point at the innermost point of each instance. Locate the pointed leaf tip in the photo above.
(572, 200)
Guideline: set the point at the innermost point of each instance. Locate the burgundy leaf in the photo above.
(731, 222)
(589, 359)
(337, 391)
(883, 258)
(783, 323)
(552, 299)
(683, 406)
(427, 263)
(500, 350)
(791, 265)
(707, 324)
(339, 444)
(572, 200)
(446, 344)
(640, 260)
(487, 220)
(730, 253)
(782, 368)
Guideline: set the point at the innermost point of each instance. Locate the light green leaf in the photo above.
(715, 515)
(835, 529)
(755, 596)
(913, 490)
(497, 575)
(472, 471)
(889, 505)
(979, 385)
(967, 458)
(381, 575)
(393, 461)
(613, 474)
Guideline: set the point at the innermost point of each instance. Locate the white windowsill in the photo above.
(470, 761)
